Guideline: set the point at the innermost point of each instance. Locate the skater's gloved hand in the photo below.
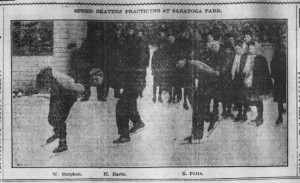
(79, 88)
(121, 91)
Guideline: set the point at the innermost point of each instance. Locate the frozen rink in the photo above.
(91, 128)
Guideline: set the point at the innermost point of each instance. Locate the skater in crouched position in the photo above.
(207, 81)
(63, 94)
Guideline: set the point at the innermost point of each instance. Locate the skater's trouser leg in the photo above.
(102, 91)
(160, 91)
(200, 113)
(239, 106)
(188, 92)
(184, 95)
(246, 106)
(280, 109)
(260, 108)
(122, 117)
(224, 105)
(60, 107)
(143, 83)
(134, 115)
(126, 109)
(178, 92)
(216, 106)
(87, 92)
(154, 90)
(117, 91)
(170, 93)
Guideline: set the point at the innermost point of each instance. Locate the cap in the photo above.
(95, 71)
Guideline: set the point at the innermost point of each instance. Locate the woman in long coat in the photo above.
(278, 73)
(159, 67)
(258, 83)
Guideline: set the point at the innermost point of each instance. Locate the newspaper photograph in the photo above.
(149, 90)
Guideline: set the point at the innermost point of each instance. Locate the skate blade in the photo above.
(53, 155)
(193, 141)
(44, 145)
(213, 129)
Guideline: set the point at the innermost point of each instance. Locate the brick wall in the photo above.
(25, 68)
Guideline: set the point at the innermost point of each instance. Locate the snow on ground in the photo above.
(91, 128)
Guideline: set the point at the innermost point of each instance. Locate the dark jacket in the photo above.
(261, 83)
(278, 72)
(159, 61)
(80, 65)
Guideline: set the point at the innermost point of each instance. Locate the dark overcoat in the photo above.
(278, 73)
(261, 83)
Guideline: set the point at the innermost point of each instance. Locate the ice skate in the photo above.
(185, 106)
(52, 138)
(160, 100)
(194, 139)
(122, 139)
(279, 121)
(137, 128)
(61, 147)
(154, 99)
(259, 121)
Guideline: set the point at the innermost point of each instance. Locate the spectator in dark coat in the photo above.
(96, 53)
(236, 92)
(258, 83)
(216, 61)
(278, 73)
(143, 56)
(184, 51)
(226, 81)
(159, 66)
(172, 69)
(117, 58)
(80, 67)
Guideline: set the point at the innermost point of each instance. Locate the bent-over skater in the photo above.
(63, 94)
(207, 81)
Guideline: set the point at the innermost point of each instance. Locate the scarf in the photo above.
(236, 65)
(248, 70)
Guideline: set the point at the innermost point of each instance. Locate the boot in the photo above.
(61, 147)
(102, 99)
(279, 120)
(185, 106)
(225, 114)
(244, 117)
(52, 138)
(255, 120)
(160, 99)
(154, 99)
(122, 139)
(137, 127)
(260, 120)
(141, 95)
(117, 93)
(230, 115)
(238, 117)
(212, 122)
(194, 139)
(84, 99)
